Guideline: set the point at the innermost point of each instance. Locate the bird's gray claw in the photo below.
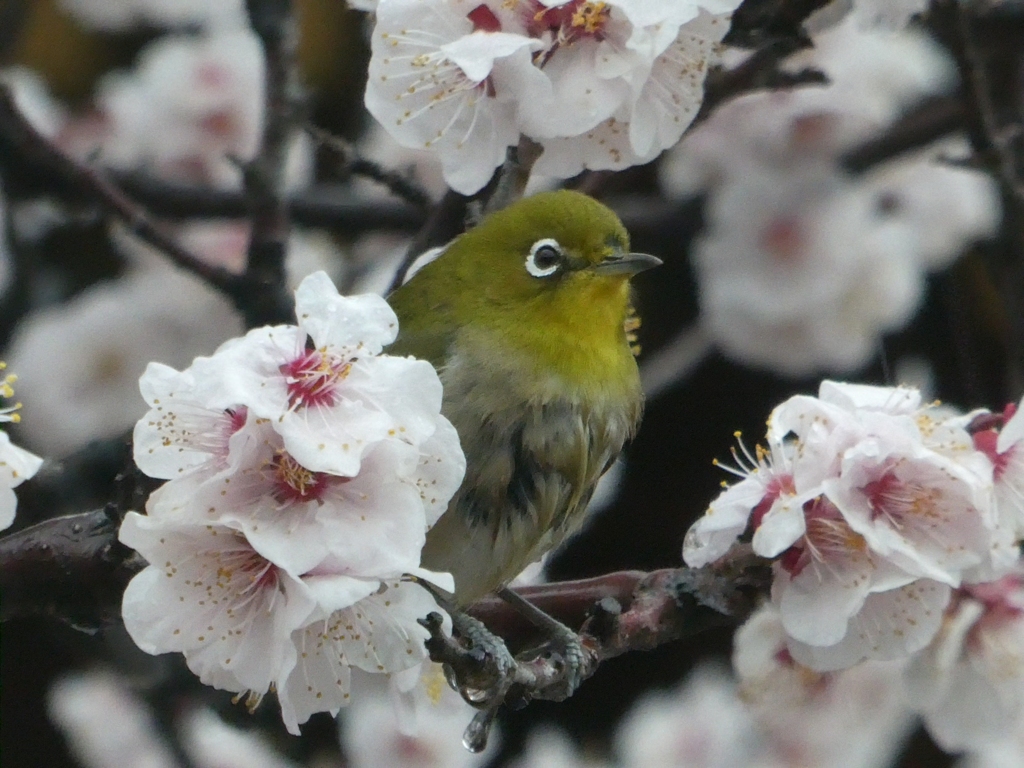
(496, 656)
(568, 647)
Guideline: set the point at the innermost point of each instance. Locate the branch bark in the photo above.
(275, 25)
(20, 138)
(69, 568)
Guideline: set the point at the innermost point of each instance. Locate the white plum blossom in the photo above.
(209, 595)
(433, 84)
(597, 84)
(323, 383)
(275, 563)
(373, 523)
(16, 464)
(365, 624)
(857, 718)
(657, 107)
(969, 683)
(187, 108)
(873, 509)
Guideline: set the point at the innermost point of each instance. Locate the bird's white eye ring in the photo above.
(545, 258)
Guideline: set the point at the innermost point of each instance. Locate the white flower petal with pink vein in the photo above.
(923, 512)
(208, 594)
(355, 325)
(891, 625)
(712, 535)
(16, 466)
(371, 625)
(180, 433)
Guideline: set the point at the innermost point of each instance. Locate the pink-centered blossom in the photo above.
(598, 84)
(873, 507)
(372, 524)
(969, 682)
(323, 384)
(210, 595)
(276, 562)
(434, 83)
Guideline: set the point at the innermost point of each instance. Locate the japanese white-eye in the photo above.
(523, 316)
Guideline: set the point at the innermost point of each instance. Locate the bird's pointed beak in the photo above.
(626, 264)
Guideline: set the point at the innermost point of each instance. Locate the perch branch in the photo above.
(69, 568)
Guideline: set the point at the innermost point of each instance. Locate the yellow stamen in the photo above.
(591, 16)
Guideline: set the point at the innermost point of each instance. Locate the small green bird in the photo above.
(524, 318)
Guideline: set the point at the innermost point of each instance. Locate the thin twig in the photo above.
(352, 164)
(323, 205)
(82, 180)
(930, 121)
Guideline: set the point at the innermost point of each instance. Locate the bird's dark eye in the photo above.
(545, 258)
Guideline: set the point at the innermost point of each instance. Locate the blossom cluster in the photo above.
(599, 85)
(304, 468)
(874, 508)
(803, 266)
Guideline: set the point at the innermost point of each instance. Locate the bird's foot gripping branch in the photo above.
(620, 612)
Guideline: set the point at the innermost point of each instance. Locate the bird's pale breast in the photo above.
(535, 451)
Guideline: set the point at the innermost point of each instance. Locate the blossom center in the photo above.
(293, 483)
(313, 378)
(828, 537)
(484, 20)
(574, 20)
(777, 486)
(896, 500)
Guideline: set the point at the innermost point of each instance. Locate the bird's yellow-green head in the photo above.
(548, 277)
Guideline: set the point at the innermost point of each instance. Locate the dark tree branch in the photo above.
(351, 164)
(994, 122)
(758, 21)
(759, 71)
(275, 25)
(69, 568)
(932, 120)
(327, 205)
(20, 137)
(624, 612)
